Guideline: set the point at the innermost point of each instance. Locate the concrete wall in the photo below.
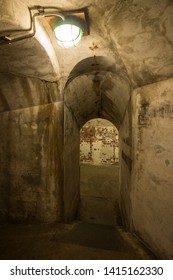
(99, 143)
(152, 182)
(125, 165)
(71, 166)
(31, 141)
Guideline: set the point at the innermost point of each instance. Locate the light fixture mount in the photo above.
(75, 23)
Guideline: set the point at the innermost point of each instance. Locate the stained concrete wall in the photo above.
(31, 144)
(71, 190)
(17, 92)
(152, 188)
(100, 94)
(99, 143)
(125, 165)
(11, 16)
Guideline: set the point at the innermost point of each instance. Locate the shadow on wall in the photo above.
(99, 173)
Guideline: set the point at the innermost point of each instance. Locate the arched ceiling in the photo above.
(98, 94)
(135, 35)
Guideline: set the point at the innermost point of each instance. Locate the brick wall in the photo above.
(99, 143)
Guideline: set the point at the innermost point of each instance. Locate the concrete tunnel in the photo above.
(98, 93)
(48, 93)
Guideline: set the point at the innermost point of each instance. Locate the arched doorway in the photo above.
(101, 93)
(99, 172)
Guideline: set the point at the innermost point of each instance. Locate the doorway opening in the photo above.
(99, 173)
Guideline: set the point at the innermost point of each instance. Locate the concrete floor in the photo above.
(96, 236)
(75, 241)
(99, 191)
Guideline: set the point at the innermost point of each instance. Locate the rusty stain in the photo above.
(93, 47)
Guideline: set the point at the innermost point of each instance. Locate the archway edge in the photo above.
(100, 94)
(97, 94)
(93, 64)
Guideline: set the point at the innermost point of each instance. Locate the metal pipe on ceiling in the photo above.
(9, 39)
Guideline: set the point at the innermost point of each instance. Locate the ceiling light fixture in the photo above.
(68, 26)
(68, 32)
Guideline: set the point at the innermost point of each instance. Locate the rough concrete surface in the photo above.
(99, 194)
(152, 189)
(99, 143)
(122, 71)
(74, 241)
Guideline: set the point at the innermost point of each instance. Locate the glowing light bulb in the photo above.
(68, 34)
